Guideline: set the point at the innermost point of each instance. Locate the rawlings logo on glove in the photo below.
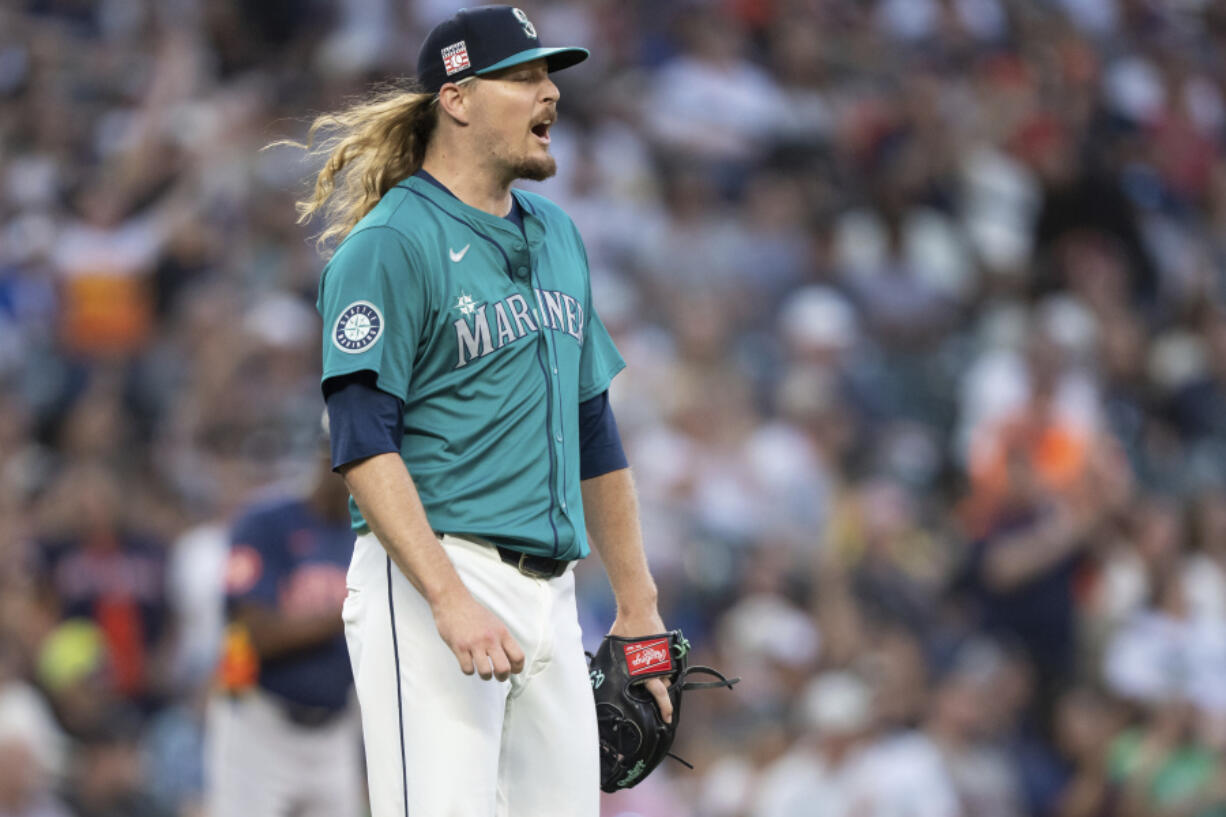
(646, 657)
(634, 739)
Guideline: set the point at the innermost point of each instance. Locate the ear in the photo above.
(453, 100)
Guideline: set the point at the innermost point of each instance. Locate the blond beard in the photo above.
(535, 169)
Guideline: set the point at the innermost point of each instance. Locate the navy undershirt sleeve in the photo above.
(362, 419)
(600, 445)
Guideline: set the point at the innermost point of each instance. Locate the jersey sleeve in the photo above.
(372, 301)
(255, 564)
(599, 361)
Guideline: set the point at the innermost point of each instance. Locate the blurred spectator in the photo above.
(1205, 569)
(905, 270)
(76, 669)
(840, 766)
(1022, 573)
(836, 713)
(1161, 767)
(711, 103)
(896, 565)
(960, 726)
(1162, 653)
(98, 567)
(1085, 723)
(107, 778)
(24, 791)
(174, 756)
(32, 749)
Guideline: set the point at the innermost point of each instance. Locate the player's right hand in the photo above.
(478, 638)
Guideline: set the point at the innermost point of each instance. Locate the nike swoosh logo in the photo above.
(457, 256)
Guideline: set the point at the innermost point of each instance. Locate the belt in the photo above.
(309, 716)
(538, 567)
(296, 713)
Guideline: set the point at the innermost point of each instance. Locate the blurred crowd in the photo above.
(924, 305)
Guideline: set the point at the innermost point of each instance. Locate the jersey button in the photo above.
(522, 272)
(519, 245)
(558, 436)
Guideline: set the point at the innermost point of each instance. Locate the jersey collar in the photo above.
(444, 198)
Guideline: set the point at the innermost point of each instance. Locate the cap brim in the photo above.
(555, 59)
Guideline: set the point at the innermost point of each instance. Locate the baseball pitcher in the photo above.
(466, 371)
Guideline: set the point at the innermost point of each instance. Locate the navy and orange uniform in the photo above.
(117, 579)
(286, 558)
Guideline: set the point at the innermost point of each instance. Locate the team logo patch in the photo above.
(648, 657)
(358, 327)
(455, 58)
(529, 29)
(243, 569)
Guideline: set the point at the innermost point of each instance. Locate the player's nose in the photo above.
(550, 92)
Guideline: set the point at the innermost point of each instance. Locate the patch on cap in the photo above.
(455, 58)
(529, 29)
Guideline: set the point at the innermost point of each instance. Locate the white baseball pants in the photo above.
(258, 763)
(443, 744)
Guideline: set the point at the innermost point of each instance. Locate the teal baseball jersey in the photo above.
(489, 336)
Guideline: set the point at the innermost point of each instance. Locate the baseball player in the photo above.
(283, 737)
(466, 374)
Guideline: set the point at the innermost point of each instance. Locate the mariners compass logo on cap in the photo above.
(358, 327)
(529, 29)
(484, 40)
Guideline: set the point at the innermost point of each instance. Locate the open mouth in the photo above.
(541, 130)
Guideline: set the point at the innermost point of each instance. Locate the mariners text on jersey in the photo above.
(488, 335)
(513, 321)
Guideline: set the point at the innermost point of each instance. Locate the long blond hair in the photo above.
(370, 146)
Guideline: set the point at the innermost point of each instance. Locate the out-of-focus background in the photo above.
(923, 304)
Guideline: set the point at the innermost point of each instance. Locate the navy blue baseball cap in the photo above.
(482, 40)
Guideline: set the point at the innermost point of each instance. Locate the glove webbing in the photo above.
(686, 685)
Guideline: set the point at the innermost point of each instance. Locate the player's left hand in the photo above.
(634, 626)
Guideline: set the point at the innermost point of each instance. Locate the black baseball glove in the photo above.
(633, 736)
